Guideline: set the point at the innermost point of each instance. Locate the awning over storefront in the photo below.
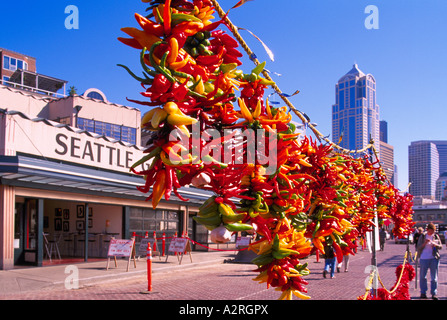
(28, 172)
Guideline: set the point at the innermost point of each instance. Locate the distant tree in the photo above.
(72, 91)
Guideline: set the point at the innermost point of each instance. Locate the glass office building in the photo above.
(427, 161)
(355, 114)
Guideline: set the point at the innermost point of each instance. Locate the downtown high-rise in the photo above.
(355, 114)
(387, 154)
(427, 161)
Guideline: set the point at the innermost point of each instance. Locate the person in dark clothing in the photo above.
(329, 261)
(416, 236)
(382, 238)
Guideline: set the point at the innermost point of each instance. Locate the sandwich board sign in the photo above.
(142, 248)
(179, 246)
(121, 248)
(242, 242)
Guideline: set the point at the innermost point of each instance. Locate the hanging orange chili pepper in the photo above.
(159, 188)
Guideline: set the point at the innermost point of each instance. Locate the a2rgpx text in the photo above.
(228, 309)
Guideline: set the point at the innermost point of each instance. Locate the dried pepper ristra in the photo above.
(297, 195)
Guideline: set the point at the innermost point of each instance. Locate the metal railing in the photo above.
(19, 86)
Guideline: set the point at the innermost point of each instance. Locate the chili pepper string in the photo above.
(300, 115)
(312, 181)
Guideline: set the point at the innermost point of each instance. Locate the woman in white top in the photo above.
(428, 245)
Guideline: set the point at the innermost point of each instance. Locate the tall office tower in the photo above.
(384, 131)
(423, 168)
(387, 154)
(441, 145)
(355, 114)
(427, 161)
(387, 161)
(441, 187)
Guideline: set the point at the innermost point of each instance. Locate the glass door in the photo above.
(27, 241)
(18, 232)
(30, 231)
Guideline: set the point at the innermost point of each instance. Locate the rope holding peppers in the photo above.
(400, 291)
(399, 278)
(369, 285)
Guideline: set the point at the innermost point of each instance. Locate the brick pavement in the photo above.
(232, 281)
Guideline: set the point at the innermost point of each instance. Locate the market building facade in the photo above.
(65, 184)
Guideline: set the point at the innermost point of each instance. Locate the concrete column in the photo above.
(7, 204)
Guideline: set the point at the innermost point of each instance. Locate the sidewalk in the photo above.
(24, 279)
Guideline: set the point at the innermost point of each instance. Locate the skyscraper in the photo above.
(441, 187)
(441, 145)
(427, 161)
(384, 131)
(387, 154)
(355, 114)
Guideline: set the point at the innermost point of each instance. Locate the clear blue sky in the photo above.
(314, 42)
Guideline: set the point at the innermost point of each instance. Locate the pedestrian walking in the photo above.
(429, 245)
(363, 242)
(418, 233)
(345, 262)
(382, 238)
(329, 261)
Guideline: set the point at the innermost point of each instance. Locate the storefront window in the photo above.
(144, 220)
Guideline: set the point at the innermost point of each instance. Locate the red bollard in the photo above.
(175, 236)
(149, 270)
(163, 243)
(149, 267)
(155, 241)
